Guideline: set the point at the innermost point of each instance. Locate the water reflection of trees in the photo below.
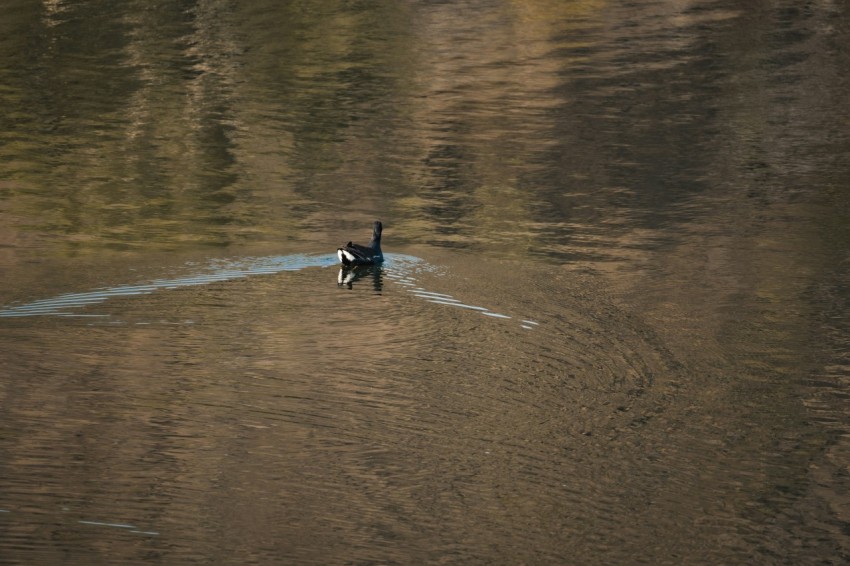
(567, 130)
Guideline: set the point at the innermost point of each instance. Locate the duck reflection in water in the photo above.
(348, 276)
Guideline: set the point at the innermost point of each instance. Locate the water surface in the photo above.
(611, 327)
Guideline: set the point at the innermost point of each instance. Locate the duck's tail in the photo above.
(345, 257)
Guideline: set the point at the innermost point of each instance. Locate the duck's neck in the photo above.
(375, 244)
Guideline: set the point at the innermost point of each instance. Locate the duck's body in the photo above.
(355, 254)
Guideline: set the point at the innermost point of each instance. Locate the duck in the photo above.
(354, 254)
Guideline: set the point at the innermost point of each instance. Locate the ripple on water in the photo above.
(390, 406)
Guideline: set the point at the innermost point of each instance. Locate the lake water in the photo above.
(611, 328)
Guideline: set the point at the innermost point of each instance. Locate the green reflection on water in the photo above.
(210, 124)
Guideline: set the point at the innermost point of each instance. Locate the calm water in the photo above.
(611, 328)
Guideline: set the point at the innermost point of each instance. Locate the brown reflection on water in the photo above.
(659, 186)
(330, 423)
(738, 307)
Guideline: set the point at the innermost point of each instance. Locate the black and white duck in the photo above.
(355, 254)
